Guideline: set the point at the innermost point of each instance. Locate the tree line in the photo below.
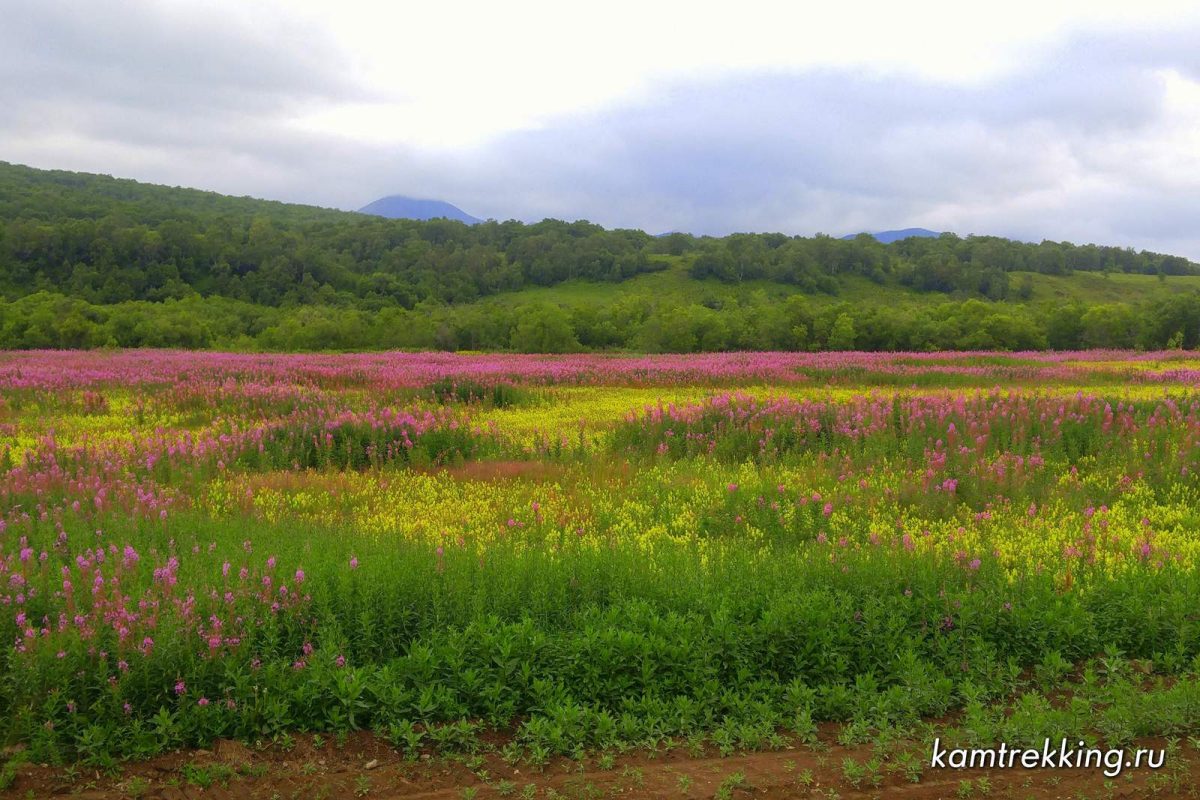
(974, 265)
(637, 323)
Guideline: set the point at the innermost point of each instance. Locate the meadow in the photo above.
(538, 556)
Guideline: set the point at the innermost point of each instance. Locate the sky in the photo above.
(1075, 121)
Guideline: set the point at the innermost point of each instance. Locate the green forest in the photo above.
(93, 261)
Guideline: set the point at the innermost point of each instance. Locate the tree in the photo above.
(1064, 327)
(841, 337)
(544, 329)
(1112, 326)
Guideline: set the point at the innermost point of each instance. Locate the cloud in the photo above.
(1093, 137)
(1080, 144)
(199, 96)
(160, 57)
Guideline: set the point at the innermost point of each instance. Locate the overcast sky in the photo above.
(1068, 120)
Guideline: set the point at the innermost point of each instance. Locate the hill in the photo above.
(887, 237)
(91, 260)
(398, 206)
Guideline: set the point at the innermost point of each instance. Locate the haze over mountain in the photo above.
(397, 206)
(887, 237)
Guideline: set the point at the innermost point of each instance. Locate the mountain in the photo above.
(887, 237)
(398, 206)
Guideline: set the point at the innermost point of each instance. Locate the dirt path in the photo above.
(366, 767)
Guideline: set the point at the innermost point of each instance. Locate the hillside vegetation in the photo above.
(93, 261)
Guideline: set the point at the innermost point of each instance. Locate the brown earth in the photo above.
(367, 767)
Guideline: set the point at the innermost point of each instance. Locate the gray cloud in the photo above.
(1053, 151)
(174, 95)
(1080, 144)
(138, 53)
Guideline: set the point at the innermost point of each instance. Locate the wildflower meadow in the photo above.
(539, 557)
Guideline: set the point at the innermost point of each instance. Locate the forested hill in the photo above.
(89, 260)
(106, 240)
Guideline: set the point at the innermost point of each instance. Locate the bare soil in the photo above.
(364, 766)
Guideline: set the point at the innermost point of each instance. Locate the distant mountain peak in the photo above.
(887, 237)
(397, 206)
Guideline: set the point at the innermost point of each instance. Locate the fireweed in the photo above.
(582, 550)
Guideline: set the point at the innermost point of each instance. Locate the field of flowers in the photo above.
(589, 552)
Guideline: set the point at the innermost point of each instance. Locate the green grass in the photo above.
(673, 286)
(1094, 288)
